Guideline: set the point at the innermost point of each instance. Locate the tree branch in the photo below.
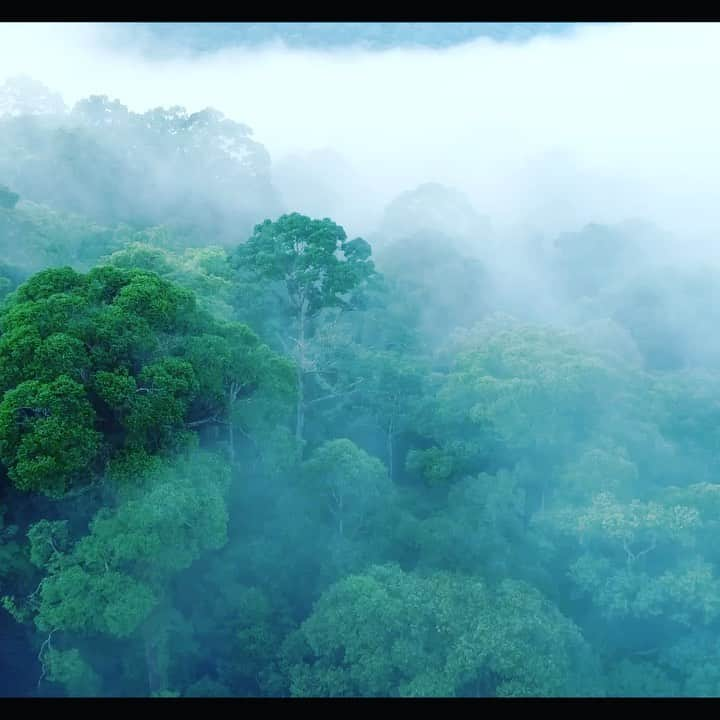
(47, 643)
(35, 591)
(282, 341)
(346, 391)
(204, 421)
(647, 549)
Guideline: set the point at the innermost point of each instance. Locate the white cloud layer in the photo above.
(605, 123)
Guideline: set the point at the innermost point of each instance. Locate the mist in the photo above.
(601, 123)
(359, 360)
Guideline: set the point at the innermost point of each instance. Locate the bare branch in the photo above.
(630, 555)
(204, 421)
(47, 643)
(35, 591)
(647, 549)
(346, 391)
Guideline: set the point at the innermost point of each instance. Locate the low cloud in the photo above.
(601, 124)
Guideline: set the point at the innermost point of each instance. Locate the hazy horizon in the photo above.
(601, 124)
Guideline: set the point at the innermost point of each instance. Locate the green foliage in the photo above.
(48, 540)
(313, 259)
(111, 579)
(68, 668)
(434, 464)
(76, 600)
(480, 529)
(47, 439)
(351, 484)
(92, 367)
(390, 633)
(206, 687)
(206, 271)
(34, 236)
(640, 678)
(272, 471)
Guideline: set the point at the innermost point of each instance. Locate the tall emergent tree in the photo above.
(310, 265)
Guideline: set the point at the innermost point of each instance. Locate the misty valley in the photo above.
(247, 451)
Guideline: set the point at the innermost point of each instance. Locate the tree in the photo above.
(386, 391)
(47, 438)
(236, 367)
(68, 668)
(113, 582)
(514, 394)
(201, 172)
(389, 633)
(480, 529)
(105, 385)
(638, 565)
(310, 266)
(351, 483)
(205, 271)
(100, 365)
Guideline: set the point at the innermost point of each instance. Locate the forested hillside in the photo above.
(376, 35)
(246, 453)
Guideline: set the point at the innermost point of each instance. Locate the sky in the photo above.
(596, 123)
